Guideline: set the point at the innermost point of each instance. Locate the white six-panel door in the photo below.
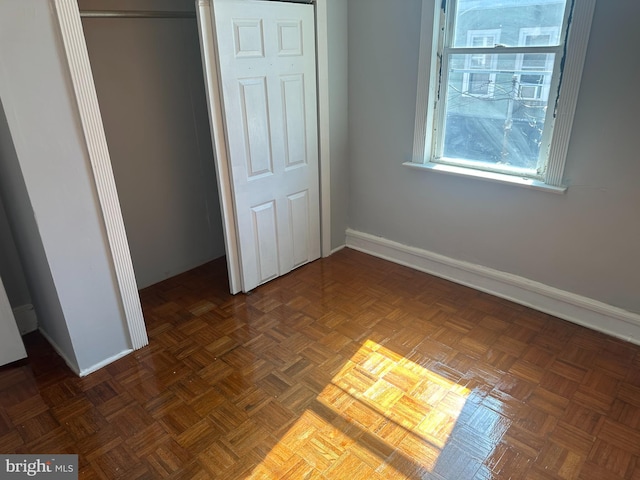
(266, 52)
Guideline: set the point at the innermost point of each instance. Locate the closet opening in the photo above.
(147, 70)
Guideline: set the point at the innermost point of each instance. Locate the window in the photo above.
(534, 69)
(498, 87)
(479, 77)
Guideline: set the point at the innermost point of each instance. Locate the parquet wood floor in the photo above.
(348, 368)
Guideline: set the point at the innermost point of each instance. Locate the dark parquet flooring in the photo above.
(348, 368)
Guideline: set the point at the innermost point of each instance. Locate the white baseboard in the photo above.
(74, 366)
(581, 310)
(86, 371)
(337, 249)
(26, 318)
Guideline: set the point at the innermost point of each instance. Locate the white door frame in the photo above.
(68, 16)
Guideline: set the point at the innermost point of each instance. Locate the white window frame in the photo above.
(566, 81)
(494, 36)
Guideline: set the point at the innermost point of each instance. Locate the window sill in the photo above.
(488, 176)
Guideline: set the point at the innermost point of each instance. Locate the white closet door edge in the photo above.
(208, 50)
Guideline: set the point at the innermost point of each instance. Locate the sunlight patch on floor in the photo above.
(382, 416)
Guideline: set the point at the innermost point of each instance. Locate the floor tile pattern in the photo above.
(348, 368)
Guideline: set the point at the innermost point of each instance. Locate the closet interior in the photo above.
(145, 58)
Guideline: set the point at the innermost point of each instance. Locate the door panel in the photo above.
(255, 116)
(266, 240)
(294, 120)
(266, 53)
(299, 221)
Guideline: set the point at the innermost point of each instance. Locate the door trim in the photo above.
(68, 16)
(324, 143)
(213, 89)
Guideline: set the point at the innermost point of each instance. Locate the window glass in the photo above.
(508, 16)
(503, 128)
(479, 77)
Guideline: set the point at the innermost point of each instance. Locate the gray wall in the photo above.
(148, 75)
(339, 126)
(585, 241)
(10, 267)
(22, 223)
(49, 194)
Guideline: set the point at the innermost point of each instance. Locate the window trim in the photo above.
(432, 36)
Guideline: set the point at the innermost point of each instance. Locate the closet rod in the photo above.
(135, 14)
